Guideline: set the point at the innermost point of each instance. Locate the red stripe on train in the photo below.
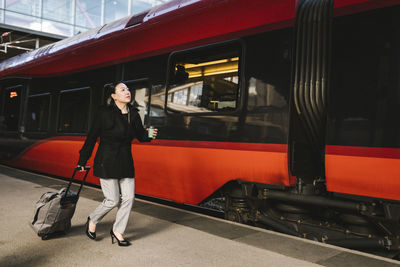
(187, 143)
(373, 152)
(365, 171)
(181, 171)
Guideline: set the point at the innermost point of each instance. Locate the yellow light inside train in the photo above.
(13, 94)
(188, 66)
(210, 68)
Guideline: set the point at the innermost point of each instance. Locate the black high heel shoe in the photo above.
(123, 243)
(91, 235)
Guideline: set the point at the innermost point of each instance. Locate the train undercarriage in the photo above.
(369, 225)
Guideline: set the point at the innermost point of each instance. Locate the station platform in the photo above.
(160, 236)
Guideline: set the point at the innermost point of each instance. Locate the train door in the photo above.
(266, 110)
(11, 118)
(363, 141)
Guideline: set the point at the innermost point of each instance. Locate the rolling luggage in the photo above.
(54, 210)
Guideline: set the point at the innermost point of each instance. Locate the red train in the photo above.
(285, 111)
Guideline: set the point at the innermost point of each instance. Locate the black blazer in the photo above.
(113, 157)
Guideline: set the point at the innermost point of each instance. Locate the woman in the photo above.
(116, 125)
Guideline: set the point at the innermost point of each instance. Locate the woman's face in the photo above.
(122, 94)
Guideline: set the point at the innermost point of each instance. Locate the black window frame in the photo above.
(59, 93)
(241, 75)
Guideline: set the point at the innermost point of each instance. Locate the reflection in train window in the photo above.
(140, 97)
(207, 81)
(73, 110)
(268, 68)
(37, 117)
(364, 96)
(12, 100)
(157, 114)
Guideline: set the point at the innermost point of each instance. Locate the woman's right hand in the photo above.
(81, 168)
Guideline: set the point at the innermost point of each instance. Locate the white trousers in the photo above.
(117, 192)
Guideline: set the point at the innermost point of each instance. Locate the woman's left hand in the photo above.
(155, 132)
(152, 132)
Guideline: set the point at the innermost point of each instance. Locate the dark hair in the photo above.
(110, 89)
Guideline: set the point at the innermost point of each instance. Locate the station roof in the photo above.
(24, 39)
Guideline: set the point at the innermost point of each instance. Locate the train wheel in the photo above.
(234, 216)
(236, 209)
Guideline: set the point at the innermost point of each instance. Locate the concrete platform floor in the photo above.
(160, 235)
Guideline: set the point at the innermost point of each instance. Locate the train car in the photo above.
(280, 113)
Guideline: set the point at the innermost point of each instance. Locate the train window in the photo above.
(268, 68)
(37, 116)
(140, 97)
(73, 110)
(204, 80)
(157, 102)
(11, 111)
(364, 103)
(153, 69)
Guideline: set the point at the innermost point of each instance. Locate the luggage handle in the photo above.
(87, 168)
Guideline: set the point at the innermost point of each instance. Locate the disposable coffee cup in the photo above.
(151, 131)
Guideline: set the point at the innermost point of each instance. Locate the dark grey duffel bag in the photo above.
(54, 210)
